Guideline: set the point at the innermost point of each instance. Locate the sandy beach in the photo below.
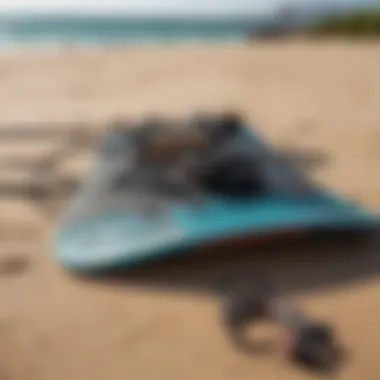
(316, 97)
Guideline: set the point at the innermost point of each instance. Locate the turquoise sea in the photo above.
(69, 29)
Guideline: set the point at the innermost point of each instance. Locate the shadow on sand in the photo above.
(40, 180)
(299, 264)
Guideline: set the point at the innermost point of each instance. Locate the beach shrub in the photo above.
(358, 23)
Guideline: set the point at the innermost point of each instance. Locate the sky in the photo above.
(151, 6)
(137, 6)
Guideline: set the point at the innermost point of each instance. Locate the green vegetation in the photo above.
(355, 24)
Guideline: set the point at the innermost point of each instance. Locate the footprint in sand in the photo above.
(13, 262)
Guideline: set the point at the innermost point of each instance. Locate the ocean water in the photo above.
(102, 30)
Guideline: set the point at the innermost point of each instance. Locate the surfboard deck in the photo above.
(108, 226)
